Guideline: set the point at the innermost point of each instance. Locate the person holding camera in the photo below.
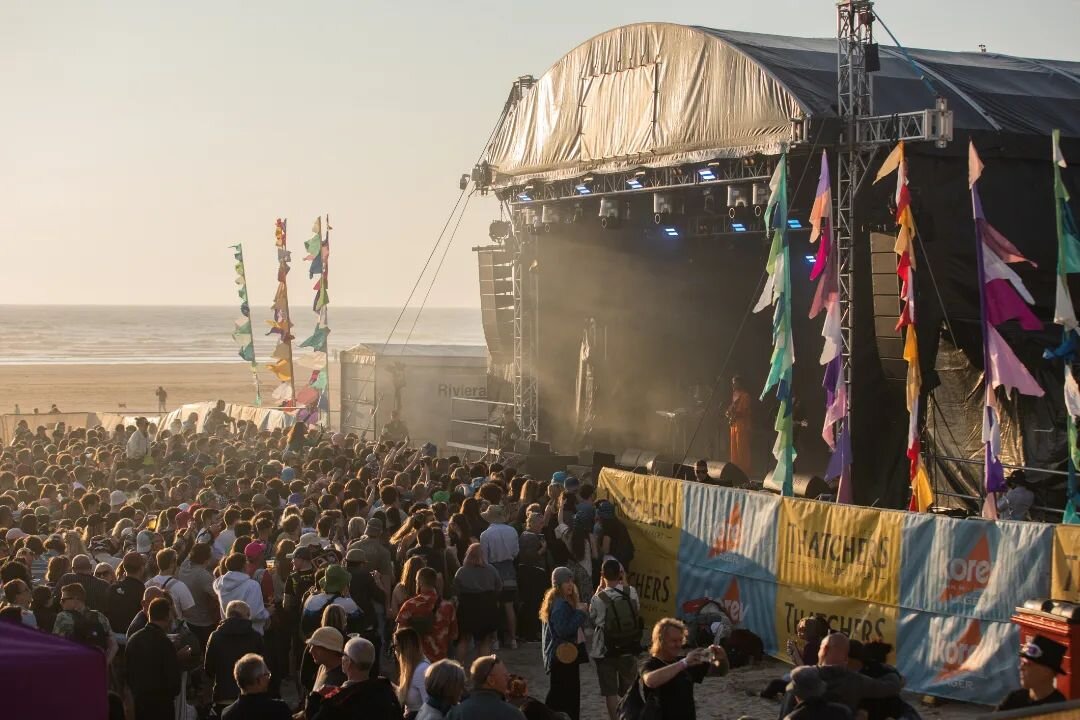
(671, 677)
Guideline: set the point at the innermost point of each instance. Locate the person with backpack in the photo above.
(81, 624)
(153, 664)
(615, 612)
(433, 619)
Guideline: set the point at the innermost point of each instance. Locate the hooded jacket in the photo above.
(236, 585)
(230, 642)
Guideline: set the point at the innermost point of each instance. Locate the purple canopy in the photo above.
(46, 676)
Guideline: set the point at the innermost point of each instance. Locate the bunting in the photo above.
(1002, 296)
(281, 325)
(314, 397)
(922, 496)
(242, 333)
(1068, 261)
(777, 293)
(825, 270)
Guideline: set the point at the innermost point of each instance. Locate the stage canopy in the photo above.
(50, 677)
(659, 94)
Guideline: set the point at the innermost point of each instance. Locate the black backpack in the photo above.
(622, 623)
(88, 631)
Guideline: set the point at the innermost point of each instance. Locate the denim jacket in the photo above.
(562, 626)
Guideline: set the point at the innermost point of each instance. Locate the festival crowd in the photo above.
(224, 571)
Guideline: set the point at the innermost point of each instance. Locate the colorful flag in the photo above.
(777, 293)
(242, 333)
(827, 297)
(922, 496)
(1002, 296)
(282, 325)
(1068, 261)
(314, 397)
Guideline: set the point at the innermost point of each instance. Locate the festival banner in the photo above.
(1065, 578)
(652, 509)
(242, 333)
(862, 621)
(282, 325)
(750, 603)
(974, 569)
(729, 531)
(314, 397)
(958, 657)
(840, 550)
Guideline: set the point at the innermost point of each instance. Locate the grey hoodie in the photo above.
(237, 585)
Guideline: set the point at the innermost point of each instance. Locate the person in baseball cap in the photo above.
(117, 498)
(1040, 664)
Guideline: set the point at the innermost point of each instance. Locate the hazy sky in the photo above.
(139, 139)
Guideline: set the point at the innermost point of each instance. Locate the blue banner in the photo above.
(749, 603)
(958, 657)
(973, 568)
(729, 531)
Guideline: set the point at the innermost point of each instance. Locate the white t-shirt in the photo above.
(178, 591)
(417, 695)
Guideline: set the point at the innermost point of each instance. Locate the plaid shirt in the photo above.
(444, 628)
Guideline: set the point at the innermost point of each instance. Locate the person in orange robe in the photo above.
(738, 417)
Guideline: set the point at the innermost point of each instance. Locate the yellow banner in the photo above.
(652, 509)
(862, 621)
(1065, 577)
(840, 550)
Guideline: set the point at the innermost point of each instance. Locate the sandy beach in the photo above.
(109, 388)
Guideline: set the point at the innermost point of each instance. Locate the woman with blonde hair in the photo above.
(74, 544)
(356, 528)
(562, 622)
(412, 665)
(406, 586)
(444, 683)
(477, 586)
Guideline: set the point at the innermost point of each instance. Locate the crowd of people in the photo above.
(226, 571)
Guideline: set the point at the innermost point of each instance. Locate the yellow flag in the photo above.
(891, 163)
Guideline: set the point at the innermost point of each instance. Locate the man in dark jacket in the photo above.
(253, 678)
(97, 590)
(362, 695)
(233, 640)
(125, 597)
(809, 691)
(153, 667)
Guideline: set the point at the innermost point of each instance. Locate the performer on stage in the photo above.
(738, 417)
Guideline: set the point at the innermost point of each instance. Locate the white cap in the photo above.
(117, 497)
(14, 534)
(311, 539)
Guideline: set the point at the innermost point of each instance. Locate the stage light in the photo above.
(499, 230)
(738, 227)
(663, 207)
(810, 259)
(760, 193)
(794, 224)
(635, 183)
(706, 174)
(738, 196)
(671, 231)
(526, 194)
(582, 189)
(609, 213)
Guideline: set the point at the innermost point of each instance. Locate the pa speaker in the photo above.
(596, 459)
(532, 447)
(803, 485)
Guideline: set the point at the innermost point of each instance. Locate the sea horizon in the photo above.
(201, 334)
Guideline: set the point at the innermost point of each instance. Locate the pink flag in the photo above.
(1006, 370)
(1002, 303)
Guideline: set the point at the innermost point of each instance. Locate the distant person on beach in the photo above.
(161, 396)
(54, 410)
(739, 416)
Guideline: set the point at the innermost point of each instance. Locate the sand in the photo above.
(108, 388)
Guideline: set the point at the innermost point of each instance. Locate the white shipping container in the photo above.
(428, 376)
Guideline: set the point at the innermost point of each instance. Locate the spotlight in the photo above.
(671, 231)
(810, 259)
(738, 196)
(738, 227)
(582, 189)
(663, 207)
(708, 173)
(526, 194)
(499, 230)
(635, 183)
(794, 224)
(609, 213)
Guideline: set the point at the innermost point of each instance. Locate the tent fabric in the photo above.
(660, 94)
(50, 677)
(264, 418)
(9, 422)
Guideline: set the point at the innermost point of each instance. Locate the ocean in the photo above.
(89, 334)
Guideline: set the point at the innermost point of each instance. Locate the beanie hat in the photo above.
(561, 575)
